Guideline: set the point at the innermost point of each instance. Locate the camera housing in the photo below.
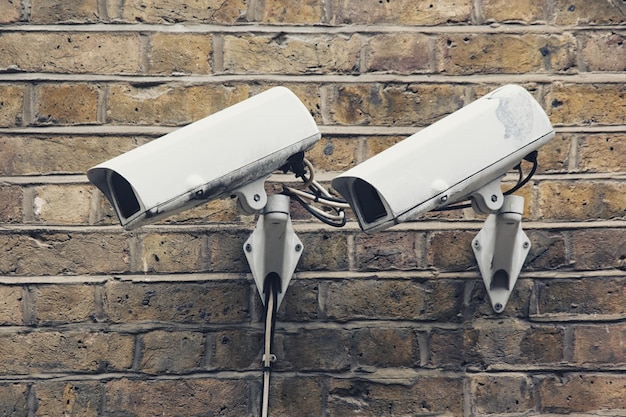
(447, 161)
(230, 152)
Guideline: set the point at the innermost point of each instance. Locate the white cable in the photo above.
(267, 356)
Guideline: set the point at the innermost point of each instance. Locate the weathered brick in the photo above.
(404, 12)
(71, 398)
(28, 155)
(499, 394)
(393, 104)
(504, 53)
(14, 399)
(596, 297)
(603, 51)
(81, 11)
(576, 392)
(334, 153)
(390, 250)
(403, 53)
(291, 54)
(180, 53)
(12, 102)
(173, 252)
(297, 396)
(429, 395)
(66, 104)
(512, 342)
(525, 11)
(600, 344)
(602, 153)
(548, 251)
(555, 155)
(225, 302)
(59, 304)
(306, 12)
(376, 145)
(451, 250)
(236, 350)
(226, 252)
(11, 11)
(176, 397)
(11, 305)
(315, 350)
(171, 11)
(63, 253)
(599, 249)
(53, 351)
(301, 301)
(166, 352)
(582, 200)
(518, 304)
(170, 104)
(71, 52)
(445, 349)
(11, 202)
(581, 12)
(351, 300)
(586, 104)
(62, 204)
(323, 251)
(387, 347)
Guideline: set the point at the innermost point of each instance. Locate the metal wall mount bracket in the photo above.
(501, 248)
(273, 246)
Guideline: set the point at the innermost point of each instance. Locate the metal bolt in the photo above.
(443, 199)
(526, 245)
(476, 244)
(494, 198)
(248, 247)
(498, 307)
(298, 247)
(257, 197)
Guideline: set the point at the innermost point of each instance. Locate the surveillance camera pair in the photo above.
(232, 152)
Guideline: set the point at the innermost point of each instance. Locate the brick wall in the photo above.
(95, 321)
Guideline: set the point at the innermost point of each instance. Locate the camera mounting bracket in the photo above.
(273, 246)
(500, 249)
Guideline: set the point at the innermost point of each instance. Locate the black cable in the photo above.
(315, 214)
(531, 157)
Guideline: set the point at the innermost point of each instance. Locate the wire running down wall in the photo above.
(166, 320)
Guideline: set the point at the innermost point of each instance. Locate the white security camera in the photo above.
(447, 161)
(231, 152)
